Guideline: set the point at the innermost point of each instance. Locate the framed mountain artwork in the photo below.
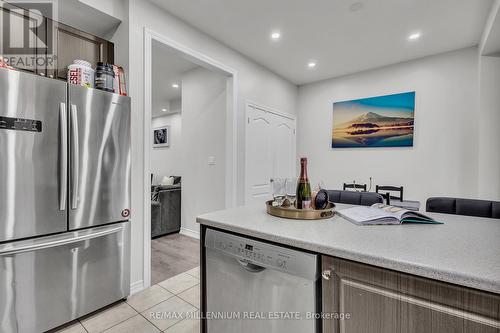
(382, 121)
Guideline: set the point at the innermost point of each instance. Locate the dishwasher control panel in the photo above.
(260, 253)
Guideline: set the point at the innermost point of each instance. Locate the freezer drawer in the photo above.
(99, 161)
(33, 155)
(50, 281)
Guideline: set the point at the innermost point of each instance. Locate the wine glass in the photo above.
(279, 193)
(291, 190)
(319, 186)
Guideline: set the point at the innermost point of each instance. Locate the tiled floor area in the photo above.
(170, 306)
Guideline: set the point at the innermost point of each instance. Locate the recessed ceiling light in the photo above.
(175, 85)
(356, 6)
(164, 110)
(276, 35)
(414, 36)
(311, 64)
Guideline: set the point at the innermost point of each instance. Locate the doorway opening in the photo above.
(189, 152)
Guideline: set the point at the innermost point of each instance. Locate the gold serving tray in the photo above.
(300, 214)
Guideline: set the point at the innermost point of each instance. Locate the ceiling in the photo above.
(168, 68)
(341, 36)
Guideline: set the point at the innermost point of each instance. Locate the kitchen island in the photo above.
(446, 271)
(464, 250)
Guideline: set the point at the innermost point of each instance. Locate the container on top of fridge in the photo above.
(80, 72)
(104, 77)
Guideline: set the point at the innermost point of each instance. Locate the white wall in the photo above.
(114, 8)
(255, 83)
(489, 128)
(167, 161)
(175, 105)
(443, 160)
(203, 136)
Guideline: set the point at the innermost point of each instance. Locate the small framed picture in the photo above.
(161, 137)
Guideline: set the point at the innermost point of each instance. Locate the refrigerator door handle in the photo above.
(13, 249)
(63, 159)
(75, 157)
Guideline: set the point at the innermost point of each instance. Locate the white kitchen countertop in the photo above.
(464, 251)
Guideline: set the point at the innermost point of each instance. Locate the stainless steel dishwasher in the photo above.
(255, 287)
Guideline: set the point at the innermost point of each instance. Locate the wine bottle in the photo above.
(303, 187)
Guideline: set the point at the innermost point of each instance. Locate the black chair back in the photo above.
(355, 187)
(386, 192)
(469, 207)
(354, 198)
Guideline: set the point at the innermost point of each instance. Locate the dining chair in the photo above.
(468, 207)
(355, 187)
(386, 192)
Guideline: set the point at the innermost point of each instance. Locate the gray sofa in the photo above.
(165, 210)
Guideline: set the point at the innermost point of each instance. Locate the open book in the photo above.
(383, 214)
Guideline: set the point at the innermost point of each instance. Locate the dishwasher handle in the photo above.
(252, 268)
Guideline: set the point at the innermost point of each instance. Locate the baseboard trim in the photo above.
(190, 233)
(136, 287)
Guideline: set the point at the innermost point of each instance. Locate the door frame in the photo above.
(250, 104)
(231, 129)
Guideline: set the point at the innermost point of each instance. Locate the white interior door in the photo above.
(270, 151)
(284, 147)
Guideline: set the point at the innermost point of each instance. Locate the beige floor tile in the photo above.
(179, 283)
(195, 272)
(185, 326)
(75, 327)
(148, 298)
(137, 324)
(192, 296)
(169, 312)
(103, 320)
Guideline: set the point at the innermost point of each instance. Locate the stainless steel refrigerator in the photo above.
(64, 201)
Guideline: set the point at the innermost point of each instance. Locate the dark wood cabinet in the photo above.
(377, 300)
(49, 46)
(71, 44)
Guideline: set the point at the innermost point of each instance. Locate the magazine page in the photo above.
(368, 215)
(405, 215)
(396, 212)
